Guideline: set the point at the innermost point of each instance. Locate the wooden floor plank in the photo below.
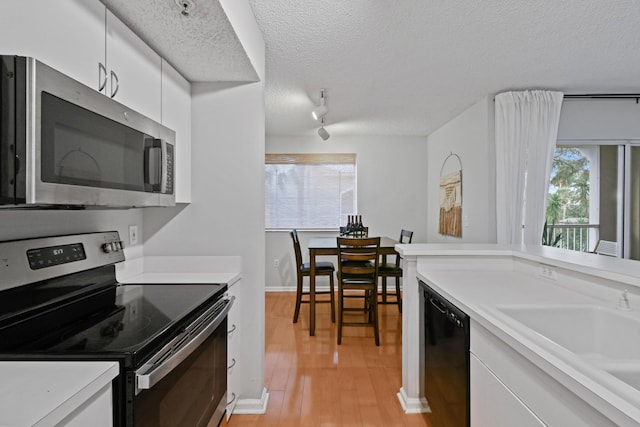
(312, 381)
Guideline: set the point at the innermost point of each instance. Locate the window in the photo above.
(312, 191)
(594, 195)
(571, 213)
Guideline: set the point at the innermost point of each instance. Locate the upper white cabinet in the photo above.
(85, 41)
(133, 70)
(66, 35)
(176, 115)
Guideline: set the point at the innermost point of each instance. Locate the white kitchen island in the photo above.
(514, 370)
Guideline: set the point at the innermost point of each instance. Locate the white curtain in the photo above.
(526, 132)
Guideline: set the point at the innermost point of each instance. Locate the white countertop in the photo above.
(478, 291)
(180, 269)
(44, 393)
(600, 265)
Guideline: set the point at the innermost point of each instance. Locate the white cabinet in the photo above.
(176, 115)
(66, 35)
(97, 411)
(534, 392)
(78, 37)
(133, 70)
(493, 404)
(70, 394)
(233, 350)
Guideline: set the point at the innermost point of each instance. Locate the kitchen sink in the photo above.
(598, 334)
(607, 338)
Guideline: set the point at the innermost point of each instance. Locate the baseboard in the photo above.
(279, 289)
(290, 289)
(412, 405)
(253, 406)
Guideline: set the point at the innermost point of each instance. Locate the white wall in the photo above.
(22, 224)
(392, 191)
(470, 135)
(226, 216)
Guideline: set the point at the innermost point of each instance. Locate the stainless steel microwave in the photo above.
(63, 144)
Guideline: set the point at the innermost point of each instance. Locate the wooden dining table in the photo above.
(329, 246)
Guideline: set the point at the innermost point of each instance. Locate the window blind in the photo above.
(313, 191)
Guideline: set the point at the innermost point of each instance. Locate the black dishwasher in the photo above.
(446, 359)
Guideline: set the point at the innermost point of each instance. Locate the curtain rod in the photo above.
(635, 96)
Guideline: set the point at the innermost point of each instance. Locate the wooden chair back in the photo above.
(358, 260)
(296, 249)
(405, 236)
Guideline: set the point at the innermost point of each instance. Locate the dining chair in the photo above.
(393, 269)
(358, 260)
(323, 268)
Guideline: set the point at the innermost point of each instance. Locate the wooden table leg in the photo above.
(312, 292)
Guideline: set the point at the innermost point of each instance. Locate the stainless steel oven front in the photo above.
(185, 382)
(60, 300)
(65, 144)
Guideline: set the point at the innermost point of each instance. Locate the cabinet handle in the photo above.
(233, 397)
(233, 363)
(232, 330)
(114, 77)
(102, 82)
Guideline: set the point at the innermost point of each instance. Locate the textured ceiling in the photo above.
(203, 45)
(405, 67)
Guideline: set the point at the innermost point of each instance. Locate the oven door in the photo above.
(185, 383)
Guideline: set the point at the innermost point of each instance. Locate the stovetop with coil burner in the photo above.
(86, 313)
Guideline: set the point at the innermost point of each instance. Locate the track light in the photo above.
(321, 110)
(186, 7)
(322, 131)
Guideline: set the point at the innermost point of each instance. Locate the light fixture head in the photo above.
(323, 132)
(321, 110)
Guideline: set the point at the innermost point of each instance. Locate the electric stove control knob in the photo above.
(112, 247)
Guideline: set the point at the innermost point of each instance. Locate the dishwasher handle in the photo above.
(178, 349)
(438, 305)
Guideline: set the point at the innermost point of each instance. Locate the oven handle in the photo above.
(151, 373)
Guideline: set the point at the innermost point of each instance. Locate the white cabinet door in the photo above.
(97, 411)
(66, 35)
(176, 115)
(134, 77)
(233, 351)
(493, 404)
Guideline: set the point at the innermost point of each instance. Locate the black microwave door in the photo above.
(12, 130)
(80, 147)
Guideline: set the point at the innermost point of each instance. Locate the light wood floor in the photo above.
(314, 382)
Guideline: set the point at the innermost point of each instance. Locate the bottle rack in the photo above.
(354, 227)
